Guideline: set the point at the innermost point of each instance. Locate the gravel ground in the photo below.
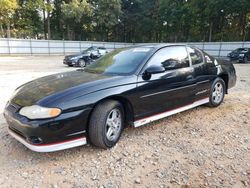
(203, 147)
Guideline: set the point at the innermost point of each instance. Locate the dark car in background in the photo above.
(85, 57)
(241, 55)
(130, 86)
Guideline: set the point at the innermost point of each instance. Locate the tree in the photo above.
(48, 8)
(74, 14)
(7, 9)
(104, 18)
(57, 20)
(27, 20)
(127, 20)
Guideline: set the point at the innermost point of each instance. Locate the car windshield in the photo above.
(88, 50)
(241, 50)
(120, 61)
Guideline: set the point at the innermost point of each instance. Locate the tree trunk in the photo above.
(68, 32)
(48, 21)
(124, 32)
(63, 35)
(210, 31)
(243, 28)
(1, 30)
(247, 38)
(175, 37)
(222, 28)
(48, 25)
(44, 25)
(187, 31)
(8, 30)
(107, 35)
(103, 34)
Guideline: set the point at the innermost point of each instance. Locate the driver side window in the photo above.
(172, 57)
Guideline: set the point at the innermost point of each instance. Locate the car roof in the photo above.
(98, 47)
(242, 48)
(157, 46)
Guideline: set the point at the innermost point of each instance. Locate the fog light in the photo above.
(35, 140)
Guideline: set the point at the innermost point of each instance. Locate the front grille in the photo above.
(13, 107)
(67, 58)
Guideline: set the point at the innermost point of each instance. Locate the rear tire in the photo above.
(217, 93)
(106, 124)
(245, 60)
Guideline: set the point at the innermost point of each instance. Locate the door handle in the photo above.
(190, 77)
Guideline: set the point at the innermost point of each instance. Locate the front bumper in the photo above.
(237, 59)
(50, 147)
(70, 62)
(66, 131)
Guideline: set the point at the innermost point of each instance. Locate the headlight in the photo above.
(241, 55)
(38, 112)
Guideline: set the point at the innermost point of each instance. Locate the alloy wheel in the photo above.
(218, 93)
(113, 124)
(82, 63)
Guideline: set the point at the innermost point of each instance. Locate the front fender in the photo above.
(89, 100)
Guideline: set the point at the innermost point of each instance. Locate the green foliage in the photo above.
(74, 11)
(128, 20)
(75, 17)
(27, 20)
(107, 12)
(7, 9)
(106, 16)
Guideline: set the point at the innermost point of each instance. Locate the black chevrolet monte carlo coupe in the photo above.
(130, 86)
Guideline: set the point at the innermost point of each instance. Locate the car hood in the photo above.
(236, 53)
(63, 86)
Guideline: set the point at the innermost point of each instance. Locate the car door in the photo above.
(95, 53)
(101, 51)
(205, 72)
(168, 90)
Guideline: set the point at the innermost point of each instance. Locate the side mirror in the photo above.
(154, 69)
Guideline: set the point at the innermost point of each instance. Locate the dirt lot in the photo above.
(202, 147)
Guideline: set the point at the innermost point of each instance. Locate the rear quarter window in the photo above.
(195, 55)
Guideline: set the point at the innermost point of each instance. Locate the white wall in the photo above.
(220, 49)
(61, 47)
(50, 47)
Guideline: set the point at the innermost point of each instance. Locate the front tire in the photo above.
(82, 63)
(217, 93)
(106, 124)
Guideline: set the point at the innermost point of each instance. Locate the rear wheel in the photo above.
(245, 60)
(217, 93)
(106, 124)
